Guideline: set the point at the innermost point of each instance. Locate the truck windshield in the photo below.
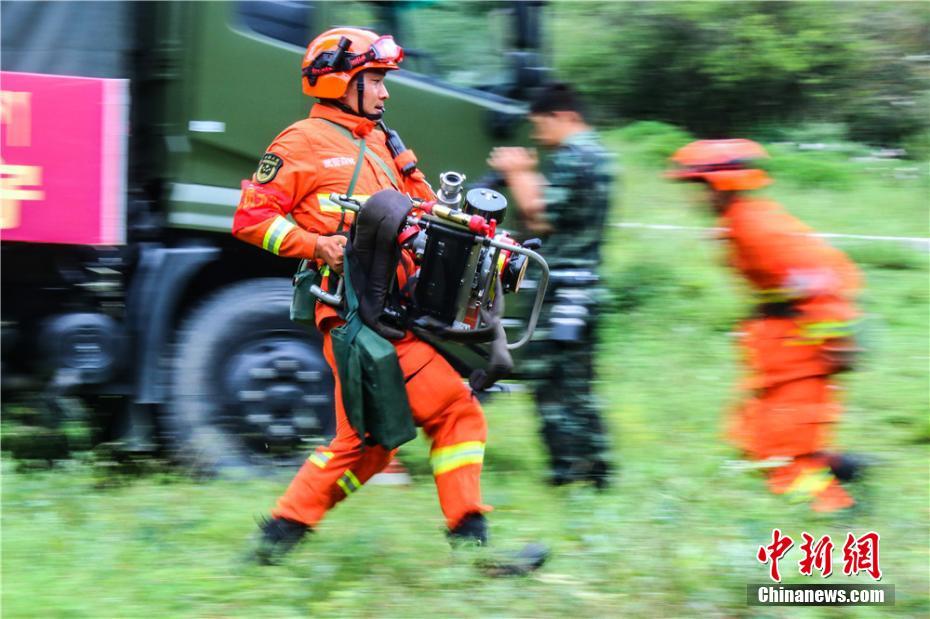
(461, 43)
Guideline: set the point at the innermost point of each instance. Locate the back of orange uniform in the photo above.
(790, 268)
(785, 263)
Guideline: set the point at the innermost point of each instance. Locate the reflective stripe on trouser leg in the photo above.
(808, 484)
(320, 458)
(809, 479)
(348, 482)
(445, 459)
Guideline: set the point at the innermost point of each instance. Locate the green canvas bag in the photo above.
(374, 393)
(303, 303)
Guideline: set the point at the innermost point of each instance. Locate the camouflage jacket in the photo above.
(579, 176)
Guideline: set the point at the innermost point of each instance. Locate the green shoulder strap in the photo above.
(362, 149)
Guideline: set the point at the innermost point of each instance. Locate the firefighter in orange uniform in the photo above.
(341, 146)
(799, 338)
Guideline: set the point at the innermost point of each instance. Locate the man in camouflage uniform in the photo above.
(566, 204)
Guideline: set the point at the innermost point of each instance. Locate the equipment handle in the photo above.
(333, 299)
(540, 290)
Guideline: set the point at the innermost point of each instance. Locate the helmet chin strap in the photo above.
(360, 102)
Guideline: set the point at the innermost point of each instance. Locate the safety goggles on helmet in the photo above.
(383, 50)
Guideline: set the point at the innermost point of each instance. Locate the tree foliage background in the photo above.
(720, 68)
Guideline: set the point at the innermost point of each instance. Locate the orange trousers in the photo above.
(791, 412)
(787, 420)
(441, 404)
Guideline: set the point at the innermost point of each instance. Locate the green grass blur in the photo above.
(677, 534)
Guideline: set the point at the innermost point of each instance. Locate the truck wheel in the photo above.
(250, 390)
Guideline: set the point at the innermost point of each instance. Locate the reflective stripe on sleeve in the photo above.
(275, 234)
(449, 458)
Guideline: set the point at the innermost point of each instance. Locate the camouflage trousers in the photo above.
(571, 424)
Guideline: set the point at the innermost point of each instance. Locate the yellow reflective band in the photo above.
(828, 330)
(818, 332)
(321, 458)
(349, 482)
(353, 478)
(275, 234)
(810, 483)
(328, 206)
(775, 295)
(447, 459)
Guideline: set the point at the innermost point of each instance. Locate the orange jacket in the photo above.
(307, 162)
(784, 263)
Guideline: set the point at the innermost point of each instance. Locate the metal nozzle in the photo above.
(450, 188)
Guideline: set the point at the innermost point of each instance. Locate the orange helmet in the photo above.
(726, 165)
(334, 57)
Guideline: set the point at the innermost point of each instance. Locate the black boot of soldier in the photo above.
(595, 472)
(472, 529)
(278, 537)
(599, 474)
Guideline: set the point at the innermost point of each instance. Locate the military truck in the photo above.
(168, 329)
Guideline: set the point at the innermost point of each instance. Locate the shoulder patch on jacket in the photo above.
(268, 168)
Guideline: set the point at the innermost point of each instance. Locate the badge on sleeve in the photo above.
(268, 168)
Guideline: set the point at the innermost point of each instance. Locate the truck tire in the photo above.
(250, 389)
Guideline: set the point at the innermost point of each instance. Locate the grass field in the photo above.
(675, 536)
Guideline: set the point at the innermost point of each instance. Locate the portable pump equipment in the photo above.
(464, 265)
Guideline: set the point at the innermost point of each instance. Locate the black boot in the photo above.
(473, 528)
(473, 531)
(846, 467)
(278, 537)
